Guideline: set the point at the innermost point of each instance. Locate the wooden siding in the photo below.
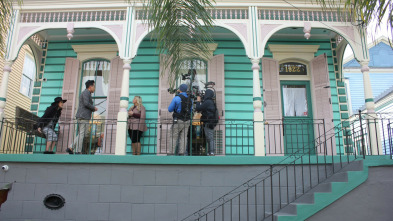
(324, 48)
(14, 97)
(144, 80)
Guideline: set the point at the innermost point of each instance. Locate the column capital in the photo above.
(255, 63)
(127, 63)
(8, 65)
(365, 67)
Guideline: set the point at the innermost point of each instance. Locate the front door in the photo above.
(298, 127)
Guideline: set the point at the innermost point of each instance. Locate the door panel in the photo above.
(298, 127)
(164, 99)
(71, 73)
(216, 74)
(324, 110)
(271, 96)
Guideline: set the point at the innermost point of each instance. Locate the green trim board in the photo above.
(256, 99)
(369, 100)
(124, 98)
(3, 99)
(163, 160)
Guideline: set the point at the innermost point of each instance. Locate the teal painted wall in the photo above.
(54, 73)
(144, 80)
(239, 109)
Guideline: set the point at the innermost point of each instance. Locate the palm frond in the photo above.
(181, 30)
(365, 12)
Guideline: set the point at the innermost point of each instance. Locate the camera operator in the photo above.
(208, 108)
(181, 106)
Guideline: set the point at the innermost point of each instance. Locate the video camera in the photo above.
(194, 89)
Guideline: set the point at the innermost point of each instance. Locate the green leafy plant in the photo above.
(181, 30)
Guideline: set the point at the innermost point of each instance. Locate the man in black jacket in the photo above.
(208, 108)
(48, 121)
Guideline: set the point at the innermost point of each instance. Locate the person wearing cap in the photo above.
(48, 121)
(83, 116)
(181, 120)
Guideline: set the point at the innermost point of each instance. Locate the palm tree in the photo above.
(365, 12)
(181, 30)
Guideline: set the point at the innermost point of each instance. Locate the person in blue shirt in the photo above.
(181, 106)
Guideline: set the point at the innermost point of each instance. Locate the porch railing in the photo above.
(231, 137)
(262, 196)
(20, 136)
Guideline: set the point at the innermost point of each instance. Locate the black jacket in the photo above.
(52, 112)
(208, 107)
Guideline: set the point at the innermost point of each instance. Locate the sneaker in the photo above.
(212, 154)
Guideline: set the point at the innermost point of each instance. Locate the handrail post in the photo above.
(362, 134)
(271, 189)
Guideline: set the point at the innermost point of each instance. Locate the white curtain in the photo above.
(295, 102)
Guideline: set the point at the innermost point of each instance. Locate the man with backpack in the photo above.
(209, 118)
(181, 106)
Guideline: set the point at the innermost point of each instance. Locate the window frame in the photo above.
(30, 78)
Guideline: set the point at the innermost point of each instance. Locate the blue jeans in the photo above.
(209, 133)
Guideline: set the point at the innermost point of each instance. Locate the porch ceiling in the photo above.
(79, 34)
(298, 34)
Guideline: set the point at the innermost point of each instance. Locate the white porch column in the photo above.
(373, 123)
(121, 131)
(259, 133)
(4, 88)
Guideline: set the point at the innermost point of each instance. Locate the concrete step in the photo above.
(352, 166)
(276, 215)
(338, 177)
(307, 198)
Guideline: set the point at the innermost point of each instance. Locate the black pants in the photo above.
(135, 135)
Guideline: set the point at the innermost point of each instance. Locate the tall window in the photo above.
(199, 70)
(97, 70)
(28, 73)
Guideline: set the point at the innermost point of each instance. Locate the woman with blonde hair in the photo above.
(136, 124)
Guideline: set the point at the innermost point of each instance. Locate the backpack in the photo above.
(185, 113)
(216, 117)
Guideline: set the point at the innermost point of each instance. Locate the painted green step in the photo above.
(322, 200)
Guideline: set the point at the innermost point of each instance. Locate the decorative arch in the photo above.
(239, 29)
(348, 33)
(25, 32)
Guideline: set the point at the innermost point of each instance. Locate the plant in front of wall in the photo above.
(181, 30)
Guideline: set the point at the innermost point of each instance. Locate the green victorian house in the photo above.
(284, 128)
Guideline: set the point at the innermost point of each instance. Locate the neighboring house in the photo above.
(284, 120)
(21, 82)
(381, 74)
